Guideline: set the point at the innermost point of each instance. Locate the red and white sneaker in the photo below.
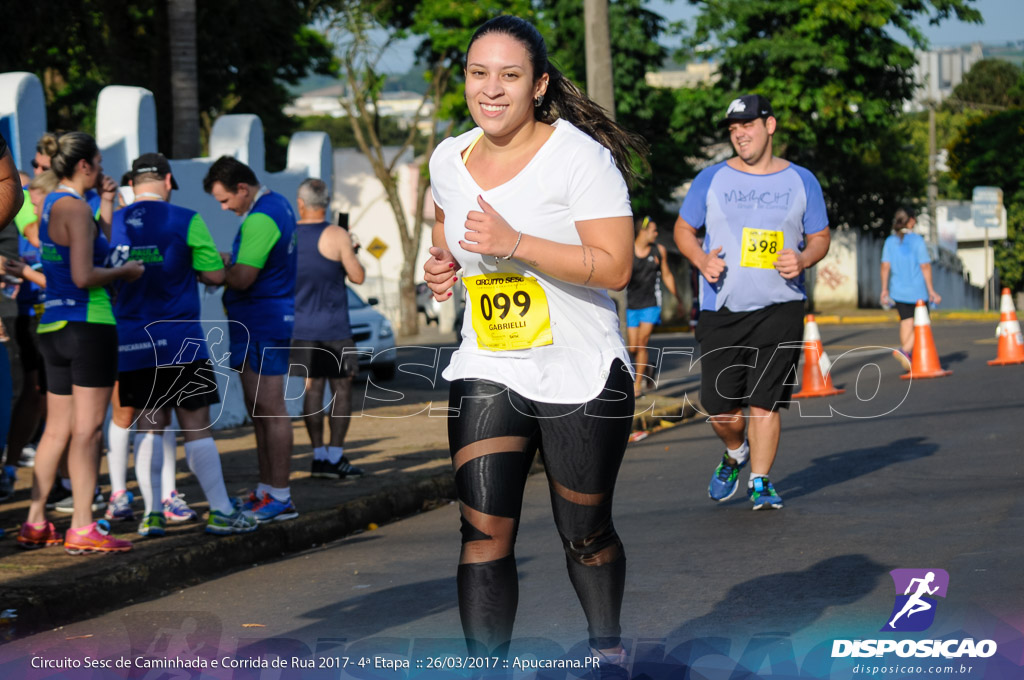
(94, 538)
(40, 535)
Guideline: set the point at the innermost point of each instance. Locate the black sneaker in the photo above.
(57, 494)
(317, 469)
(343, 468)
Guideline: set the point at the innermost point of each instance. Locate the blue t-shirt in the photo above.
(777, 209)
(64, 300)
(158, 314)
(905, 257)
(30, 295)
(266, 240)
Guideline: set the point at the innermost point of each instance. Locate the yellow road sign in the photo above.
(377, 247)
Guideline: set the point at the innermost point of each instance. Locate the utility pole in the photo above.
(933, 180)
(600, 84)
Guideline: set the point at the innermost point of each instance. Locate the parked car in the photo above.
(426, 303)
(373, 333)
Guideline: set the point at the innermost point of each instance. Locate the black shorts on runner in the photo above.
(28, 343)
(324, 358)
(190, 386)
(80, 353)
(749, 358)
(905, 309)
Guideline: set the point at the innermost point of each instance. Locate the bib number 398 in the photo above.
(509, 312)
(761, 247)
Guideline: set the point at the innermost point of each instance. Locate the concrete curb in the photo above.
(193, 558)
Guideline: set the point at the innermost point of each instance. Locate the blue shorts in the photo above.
(635, 317)
(266, 357)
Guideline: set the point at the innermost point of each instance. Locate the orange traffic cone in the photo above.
(816, 381)
(1011, 342)
(925, 360)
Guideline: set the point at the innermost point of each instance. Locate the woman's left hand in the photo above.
(934, 297)
(487, 232)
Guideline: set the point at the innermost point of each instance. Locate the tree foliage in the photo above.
(248, 51)
(987, 154)
(837, 80)
(990, 83)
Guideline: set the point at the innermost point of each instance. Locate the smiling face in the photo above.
(752, 138)
(500, 87)
(237, 202)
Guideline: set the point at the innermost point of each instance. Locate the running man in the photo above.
(323, 341)
(260, 296)
(158, 316)
(766, 224)
(916, 604)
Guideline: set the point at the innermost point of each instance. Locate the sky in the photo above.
(1003, 22)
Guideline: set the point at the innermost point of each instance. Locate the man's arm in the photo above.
(710, 264)
(11, 194)
(347, 255)
(259, 234)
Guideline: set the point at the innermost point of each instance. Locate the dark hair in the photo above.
(47, 144)
(230, 172)
(640, 222)
(902, 218)
(564, 100)
(71, 148)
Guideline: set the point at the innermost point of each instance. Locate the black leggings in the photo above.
(493, 434)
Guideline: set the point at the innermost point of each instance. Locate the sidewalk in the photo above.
(407, 467)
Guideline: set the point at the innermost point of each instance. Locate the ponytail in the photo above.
(71, 148)
(564, 100)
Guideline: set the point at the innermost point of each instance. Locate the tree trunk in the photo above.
(181, 20)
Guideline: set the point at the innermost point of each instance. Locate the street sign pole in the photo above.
(377, 248)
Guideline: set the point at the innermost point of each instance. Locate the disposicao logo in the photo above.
(916, 589)
(914, 611)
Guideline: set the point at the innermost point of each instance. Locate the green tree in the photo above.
(837, 79)
(990, 83)
(248, 52)
(987, 154)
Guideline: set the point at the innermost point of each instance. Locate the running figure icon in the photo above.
(916, 604)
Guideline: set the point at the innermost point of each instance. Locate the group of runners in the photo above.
(109, 297)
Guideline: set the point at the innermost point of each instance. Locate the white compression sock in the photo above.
(117, 456)
(168, 472)
(148, 468)
(334, 453)
(204, 462)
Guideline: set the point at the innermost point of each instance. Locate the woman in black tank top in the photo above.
(643, 296)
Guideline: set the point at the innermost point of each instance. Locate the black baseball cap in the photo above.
(152, 163)
(747, 107)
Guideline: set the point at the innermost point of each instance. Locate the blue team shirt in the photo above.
(158, 314)
(267, 307)
(726, 201)
(905, 257)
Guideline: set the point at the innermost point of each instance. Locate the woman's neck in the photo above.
(78, 184)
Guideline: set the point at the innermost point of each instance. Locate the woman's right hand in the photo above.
(132, 270)
(14, 268)
(439, 273)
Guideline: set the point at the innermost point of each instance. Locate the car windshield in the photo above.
(354, 301)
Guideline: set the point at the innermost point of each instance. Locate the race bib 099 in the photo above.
(509, 311)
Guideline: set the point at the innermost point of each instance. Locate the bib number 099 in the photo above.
(503, 304)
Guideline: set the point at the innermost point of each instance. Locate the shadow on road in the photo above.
(784, 603)
(842, 466)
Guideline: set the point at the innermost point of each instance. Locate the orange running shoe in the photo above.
(94, 538)
(39, 535)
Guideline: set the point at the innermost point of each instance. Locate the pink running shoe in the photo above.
(94, 538)
(40, 535)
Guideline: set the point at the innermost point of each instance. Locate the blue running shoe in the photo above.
(272, 510)
(120, 507)
(152, 525)
(763, 495)
(724, 480)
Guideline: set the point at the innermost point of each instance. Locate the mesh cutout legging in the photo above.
(493, 435)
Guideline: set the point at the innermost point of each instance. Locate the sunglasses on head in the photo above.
(36, 166)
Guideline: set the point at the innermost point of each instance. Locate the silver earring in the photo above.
(538, 101)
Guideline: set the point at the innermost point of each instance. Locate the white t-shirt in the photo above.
(572, 178)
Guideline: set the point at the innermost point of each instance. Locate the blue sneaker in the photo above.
(724, 480)
(248, 503)
(272, 510)
(763, 495)
(152, 525)
(120, 507)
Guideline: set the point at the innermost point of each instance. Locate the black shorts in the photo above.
(905, 309)
(80, 353)
(749, 358)
(324, 358)
(28, 342)
(190, 386)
